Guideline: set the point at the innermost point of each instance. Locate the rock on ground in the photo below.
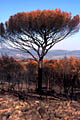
(11, 108)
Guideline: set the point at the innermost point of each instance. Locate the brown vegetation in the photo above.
(60, 76)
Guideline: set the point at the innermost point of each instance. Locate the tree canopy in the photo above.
(39, 30)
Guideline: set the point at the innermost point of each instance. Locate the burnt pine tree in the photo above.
(39, 30)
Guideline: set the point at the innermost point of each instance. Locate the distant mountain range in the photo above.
(51, 54)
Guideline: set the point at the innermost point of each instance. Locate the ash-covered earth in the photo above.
(11, 108)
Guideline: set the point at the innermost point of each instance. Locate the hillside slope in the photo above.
(51, 54)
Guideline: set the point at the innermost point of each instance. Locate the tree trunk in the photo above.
(40, 76)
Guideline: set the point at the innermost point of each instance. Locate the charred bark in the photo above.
(40, 76)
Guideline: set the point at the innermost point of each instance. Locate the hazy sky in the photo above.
(10, 7)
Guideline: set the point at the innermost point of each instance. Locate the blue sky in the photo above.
(10, 7)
